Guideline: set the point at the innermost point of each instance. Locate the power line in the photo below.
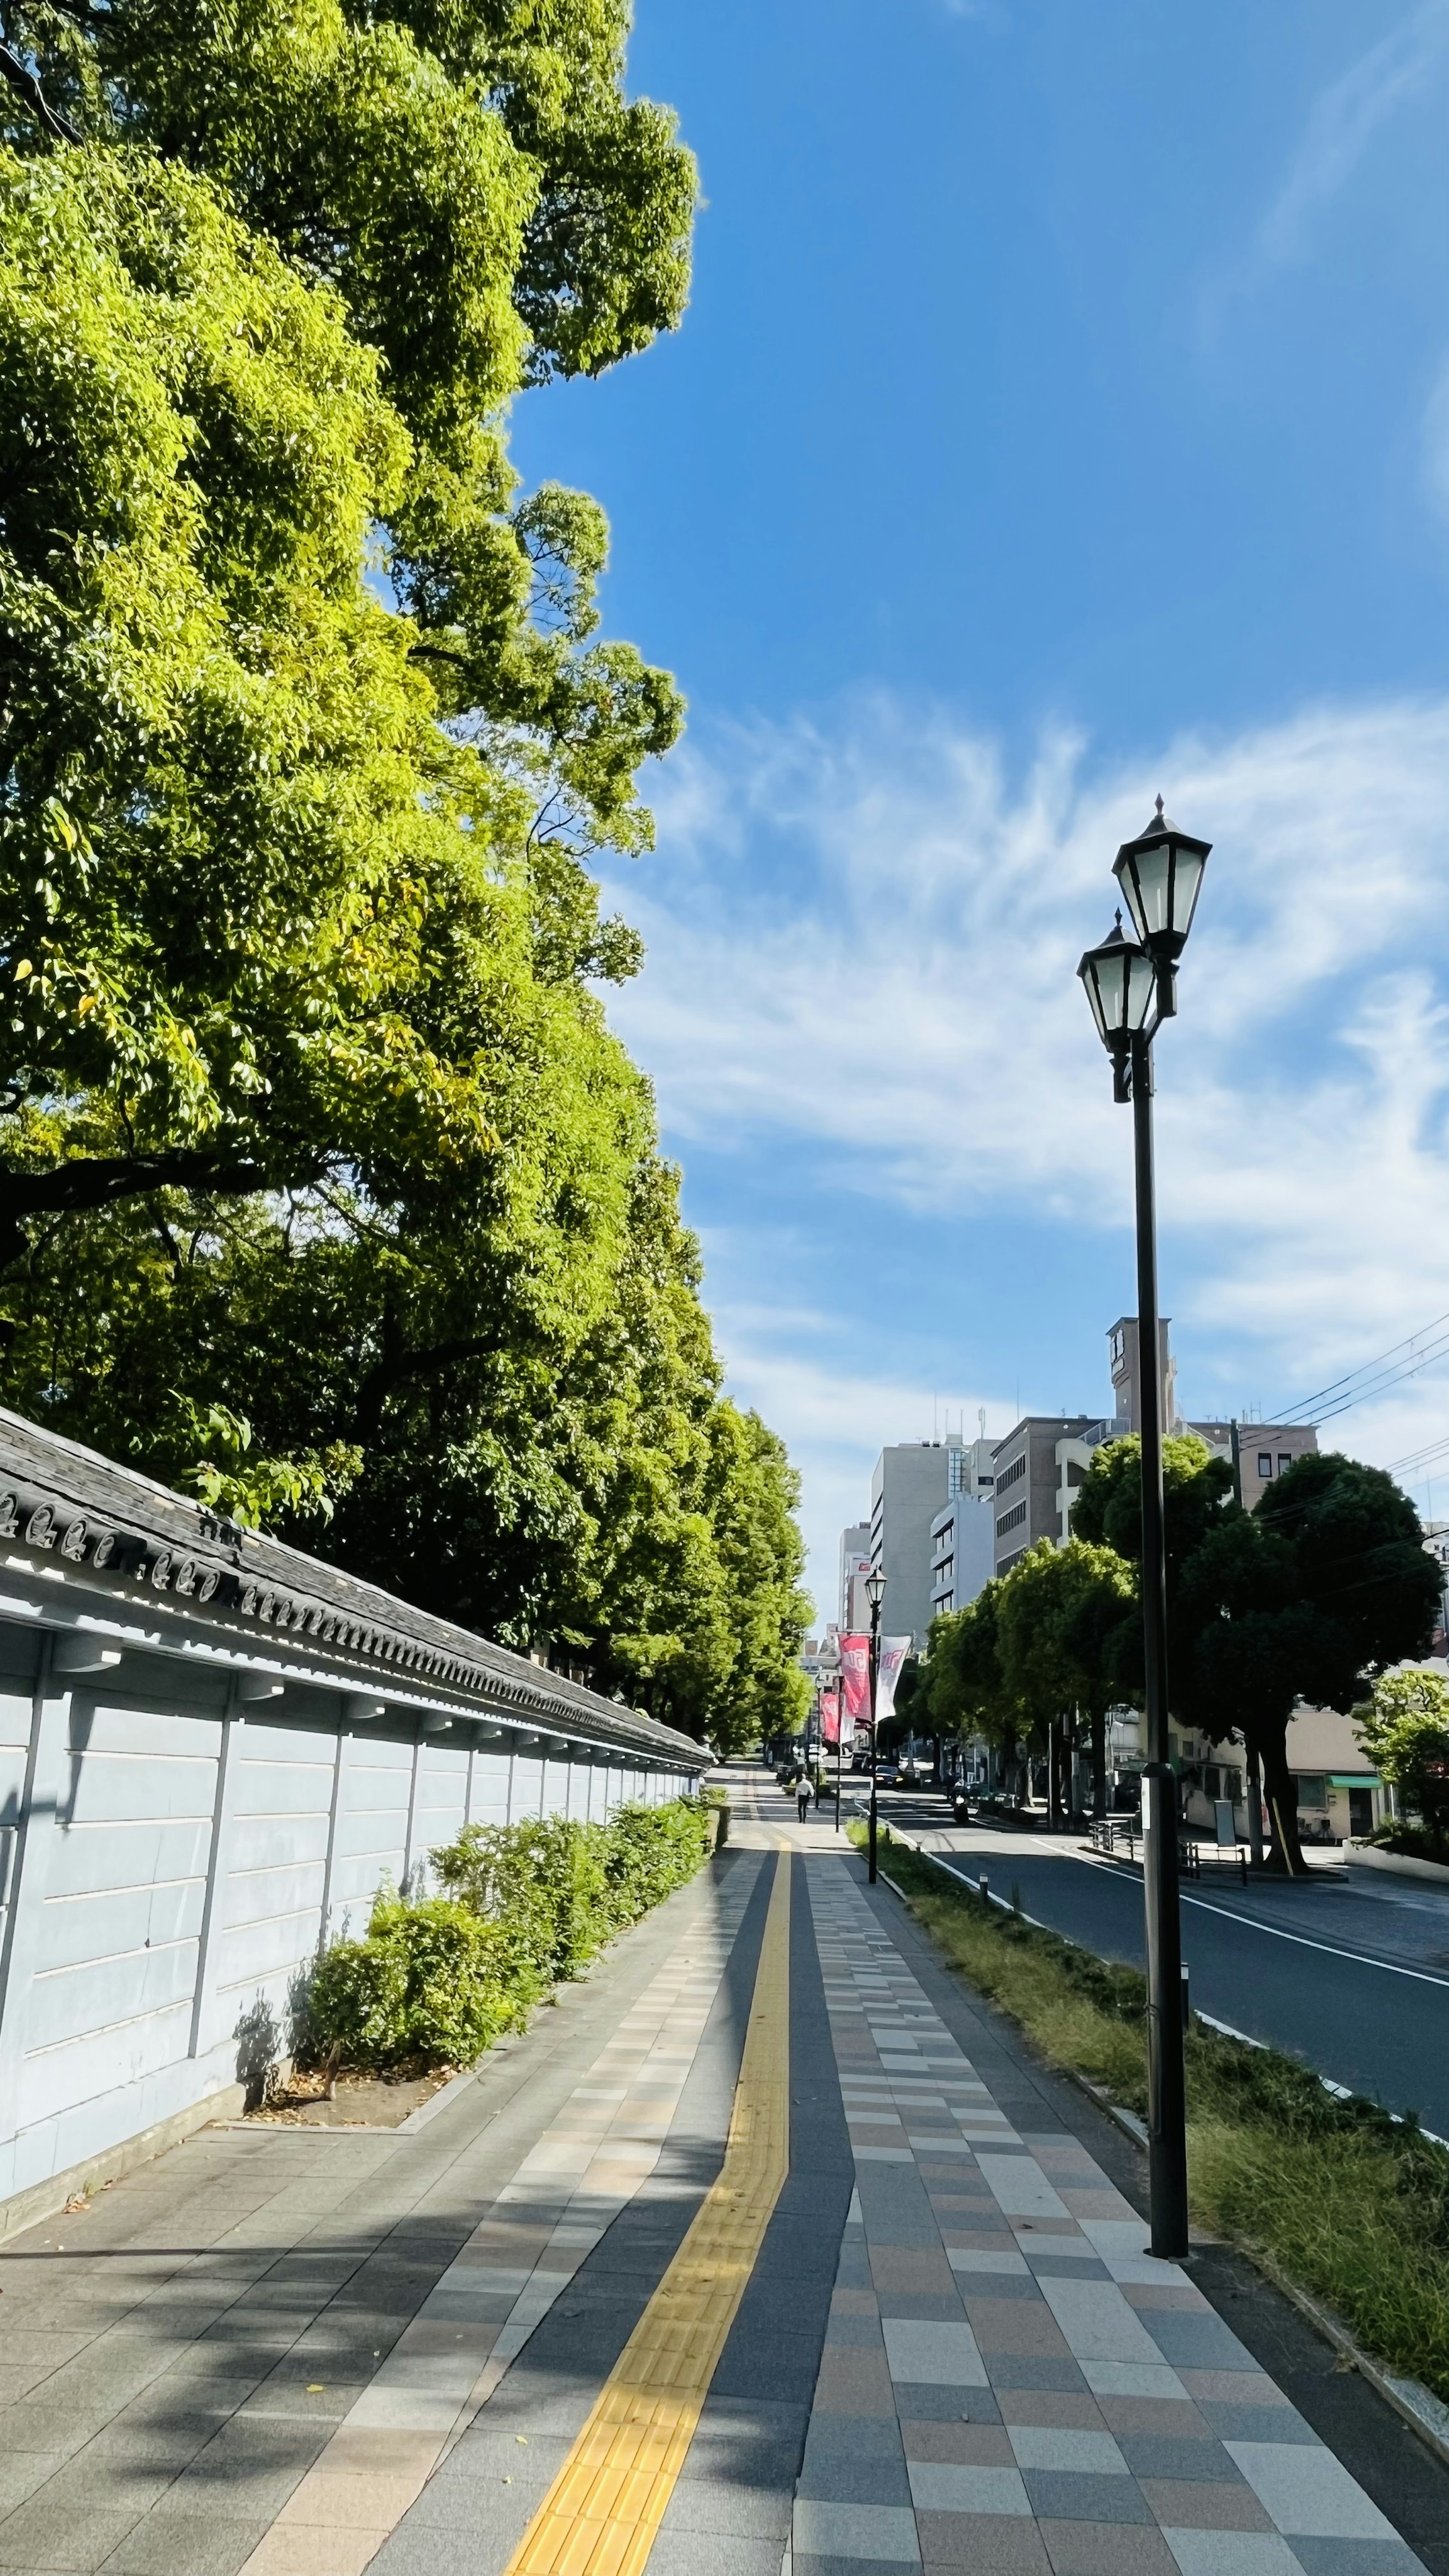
(1373, 1377)
(1418, 1458)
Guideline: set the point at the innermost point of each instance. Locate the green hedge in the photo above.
(435, 1981)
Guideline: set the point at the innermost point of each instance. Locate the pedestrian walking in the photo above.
(802, 1796)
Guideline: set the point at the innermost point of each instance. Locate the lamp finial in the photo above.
(1159, 809)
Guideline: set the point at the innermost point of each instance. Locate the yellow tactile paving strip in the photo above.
(601, 2514)
(588, 2164)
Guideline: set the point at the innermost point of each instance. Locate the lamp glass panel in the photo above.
(1140, 980)
(1185, 890)
(1088, 970)
(1145, 879)
(1119, 981)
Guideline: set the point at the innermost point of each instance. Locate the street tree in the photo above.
(1308, 1597)
(965, 1688)
(312, 742)
(1404, 1729)
(1060, 1622)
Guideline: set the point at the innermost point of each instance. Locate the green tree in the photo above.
(1307, 1597)
(966, 1690)
(1404, 1729)
(313, 1114)
(1061, 1619)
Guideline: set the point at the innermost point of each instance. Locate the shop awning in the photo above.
(1354, 1780)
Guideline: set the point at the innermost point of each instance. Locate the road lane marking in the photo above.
(1331, 1950)
(1207, 1905)
(604, 2508)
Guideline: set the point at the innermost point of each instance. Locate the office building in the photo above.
(911, 1484)
(1039, 1468)
(962, 1551)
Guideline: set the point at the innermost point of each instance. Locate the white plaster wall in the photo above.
(170, 1864)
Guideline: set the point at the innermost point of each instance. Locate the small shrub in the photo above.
(526, 1906)
(428, 1983)
(652, 1850)
(544, 1884)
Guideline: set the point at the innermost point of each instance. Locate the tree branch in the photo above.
(397, 1364)
(26, 86)
(70, 1188)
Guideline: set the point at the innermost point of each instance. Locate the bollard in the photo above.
(984, 1888)
(1186, 2008)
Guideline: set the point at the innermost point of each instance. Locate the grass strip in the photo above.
(1350, 2203)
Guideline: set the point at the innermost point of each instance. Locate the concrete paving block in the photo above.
(883, 2534)
(1308, 2490)
(74, 2540)
(166, 2544)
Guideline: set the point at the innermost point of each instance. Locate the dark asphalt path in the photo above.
(1360, 1990)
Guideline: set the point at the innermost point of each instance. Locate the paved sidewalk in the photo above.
(1011, 2384)
(306, 2352)
(181, 2364)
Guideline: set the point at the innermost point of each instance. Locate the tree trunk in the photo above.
(1282, 1804)
(1099, 1762)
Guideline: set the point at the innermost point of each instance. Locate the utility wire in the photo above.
(1404, 1359)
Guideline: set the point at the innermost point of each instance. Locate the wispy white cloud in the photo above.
(1344, 119)
(862, 940)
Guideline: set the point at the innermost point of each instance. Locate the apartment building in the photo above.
(1265, 1450)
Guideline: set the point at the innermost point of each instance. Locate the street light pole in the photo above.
(1167, 2093)
(1132, 988)
(875, 1584)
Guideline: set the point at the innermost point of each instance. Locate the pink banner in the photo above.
(830, 1716)
(855, 1680)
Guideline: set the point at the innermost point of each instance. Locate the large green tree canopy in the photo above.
(311, 1109)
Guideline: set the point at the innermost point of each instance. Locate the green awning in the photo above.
(1354, 1780)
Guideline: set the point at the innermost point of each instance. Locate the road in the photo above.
(1350, 1974)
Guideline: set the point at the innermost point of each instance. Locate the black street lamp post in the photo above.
(1132, 989)
(875, 1584)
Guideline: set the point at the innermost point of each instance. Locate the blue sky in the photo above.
(1062, 413)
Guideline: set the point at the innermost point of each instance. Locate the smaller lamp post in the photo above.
(875, 1584)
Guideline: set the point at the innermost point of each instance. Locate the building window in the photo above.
(1010, 1475)
(1011, 1520)
(1310, 1788)
(1265, 1464)
(1284, 1462)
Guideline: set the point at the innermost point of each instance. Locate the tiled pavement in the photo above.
(283, 2352)
(1010, 2384)
(181, 2366)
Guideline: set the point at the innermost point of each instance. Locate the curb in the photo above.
(1420, 2409)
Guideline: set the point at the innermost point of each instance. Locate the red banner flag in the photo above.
(830, 1716)
(855, 1680)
